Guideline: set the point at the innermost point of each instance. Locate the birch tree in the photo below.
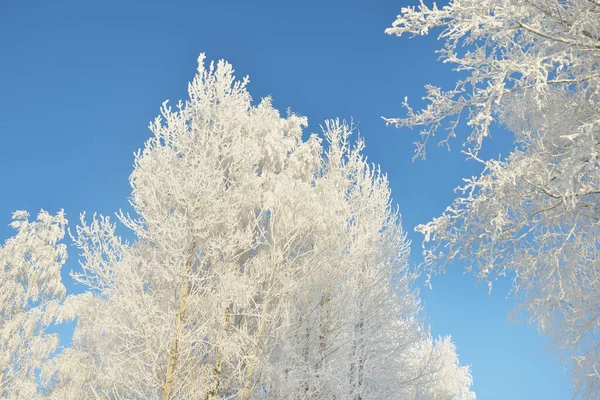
(30, 292)
(263, 266)
(531, 66)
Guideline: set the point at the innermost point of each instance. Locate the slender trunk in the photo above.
(324, 329)
(352, 374)
(179, 323)
(307, 358)
(357, 366)
(324, 336)
(255, 353)
(264, 317)
(230, 323)
(360, 344)
(213, 389)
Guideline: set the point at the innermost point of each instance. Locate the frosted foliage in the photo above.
(265, 266)
(30, 289)
(533, 67)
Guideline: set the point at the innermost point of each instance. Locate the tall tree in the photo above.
(532, 66)
(264, 266)
(31, 290)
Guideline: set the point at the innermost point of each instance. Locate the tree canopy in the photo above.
(263, 265)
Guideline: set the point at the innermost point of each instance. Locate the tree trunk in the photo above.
(359, 346)
(179, 323)
(324, 329)
(262, 324)
(307, 357)
(357, 366)
(213, 389)
(255, 352)
(324, 338)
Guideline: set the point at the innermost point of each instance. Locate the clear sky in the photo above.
(80, 80)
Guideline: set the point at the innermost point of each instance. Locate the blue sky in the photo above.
(79, 82)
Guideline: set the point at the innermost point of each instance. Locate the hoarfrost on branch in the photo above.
(532, 66)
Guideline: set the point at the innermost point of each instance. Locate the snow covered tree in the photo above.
(264, 266)
(30, 292)
(532, 66)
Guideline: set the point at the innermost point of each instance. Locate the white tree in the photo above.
(264, 266)
(533, 66)
(31, 290)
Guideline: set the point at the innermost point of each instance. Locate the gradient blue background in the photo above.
(80, 80)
